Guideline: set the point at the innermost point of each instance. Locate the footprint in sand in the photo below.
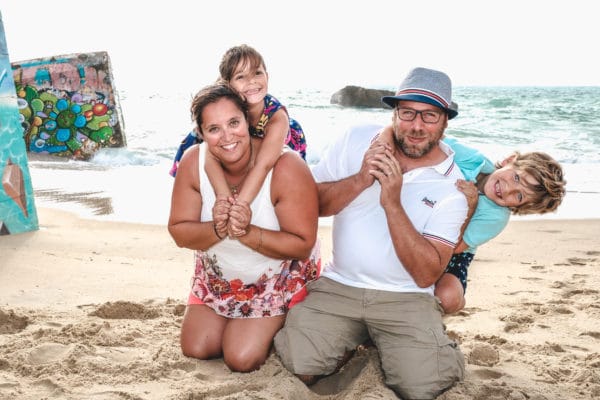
(11, 323)
(492, 340)
(124, 310)
(551, 308)
(595, 335)
(488, 374)
(517, 322)
(341, 380)
(48, 353)
(557, 285)
(580, 261)
(576, 292)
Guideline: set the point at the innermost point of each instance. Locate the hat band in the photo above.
(424, 93)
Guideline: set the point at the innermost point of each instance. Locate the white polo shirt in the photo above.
(363, 253)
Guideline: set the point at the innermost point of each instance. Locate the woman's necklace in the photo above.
(235, 189)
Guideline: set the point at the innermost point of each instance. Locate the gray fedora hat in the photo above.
(426, 86)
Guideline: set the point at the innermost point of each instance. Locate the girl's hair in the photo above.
(211, 94)
(549, 191)
(242, 53)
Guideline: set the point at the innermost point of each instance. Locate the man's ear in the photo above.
(510, 159)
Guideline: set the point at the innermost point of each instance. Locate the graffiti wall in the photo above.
(17, 208)
(68, 105)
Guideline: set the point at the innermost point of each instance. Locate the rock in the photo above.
(356, 96)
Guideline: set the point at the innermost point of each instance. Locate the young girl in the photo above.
(243, 68)
(529, 183)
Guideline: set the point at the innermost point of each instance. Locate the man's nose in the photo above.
(418, 123)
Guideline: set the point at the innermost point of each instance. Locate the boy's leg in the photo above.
(452, 286)
(450, 292)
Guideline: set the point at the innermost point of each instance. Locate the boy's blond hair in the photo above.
(550, 190)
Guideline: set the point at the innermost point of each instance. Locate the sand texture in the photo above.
(92, 310)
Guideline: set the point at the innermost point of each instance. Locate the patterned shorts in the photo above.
(458, 265)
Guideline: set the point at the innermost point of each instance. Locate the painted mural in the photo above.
(68, 105)
(17, 208)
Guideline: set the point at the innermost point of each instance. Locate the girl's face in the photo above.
(251, 82)
(225, 130)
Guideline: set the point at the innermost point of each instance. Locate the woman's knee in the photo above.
(202, 350)
(244, 361)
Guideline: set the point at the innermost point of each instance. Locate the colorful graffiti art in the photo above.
(68, 105)
(17, 208)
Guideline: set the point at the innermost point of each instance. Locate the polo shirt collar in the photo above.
(445, 167)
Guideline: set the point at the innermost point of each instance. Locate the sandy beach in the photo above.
(92, 310)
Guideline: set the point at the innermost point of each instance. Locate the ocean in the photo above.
(132, 184)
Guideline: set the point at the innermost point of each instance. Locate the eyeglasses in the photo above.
(428, 116)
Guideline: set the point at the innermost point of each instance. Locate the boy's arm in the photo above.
(461, 247)
(471, 193)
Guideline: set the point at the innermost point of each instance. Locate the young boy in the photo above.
(529, 183)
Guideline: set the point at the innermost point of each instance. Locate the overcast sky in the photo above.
(319, 43)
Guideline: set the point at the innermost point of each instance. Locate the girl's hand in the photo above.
(240, 216)
(220, 212)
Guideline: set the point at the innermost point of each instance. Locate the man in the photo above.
(397, 218)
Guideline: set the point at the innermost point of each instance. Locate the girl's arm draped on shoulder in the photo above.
(276, 132)
(294, 195)
(186, 205)
(215, 174)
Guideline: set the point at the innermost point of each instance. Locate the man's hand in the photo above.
(389, 174)
(370, 162)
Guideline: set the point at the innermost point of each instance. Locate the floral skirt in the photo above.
(268, 296)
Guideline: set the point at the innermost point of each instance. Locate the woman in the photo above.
(242, 285)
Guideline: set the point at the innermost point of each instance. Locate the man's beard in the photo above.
(414, 151)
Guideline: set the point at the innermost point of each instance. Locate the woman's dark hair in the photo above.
(211, 94)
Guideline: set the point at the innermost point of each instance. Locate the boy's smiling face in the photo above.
(509, 186)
